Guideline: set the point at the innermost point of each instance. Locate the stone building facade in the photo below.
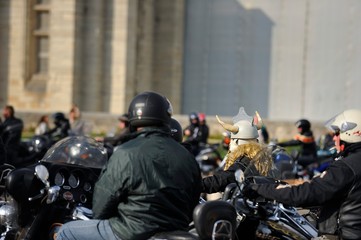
(96, 54)
(286, 59)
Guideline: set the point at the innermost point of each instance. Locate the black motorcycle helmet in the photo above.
(304, 124)
(176, 130)
(124, 118)
(58, 117)
(40, 143)
(193, 116)
(149, 109)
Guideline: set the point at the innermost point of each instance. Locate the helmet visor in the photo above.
(339, 124)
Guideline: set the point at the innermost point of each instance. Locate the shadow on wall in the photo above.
(4, 50)
(227, 58)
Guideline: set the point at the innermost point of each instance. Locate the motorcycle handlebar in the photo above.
(42, 191)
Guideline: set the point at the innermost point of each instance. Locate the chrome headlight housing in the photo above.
(8, 213)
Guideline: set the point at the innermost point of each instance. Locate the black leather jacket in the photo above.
(10, 133)
(2, 152)
(150, 184)
(220, 179)
(340, 184)
(350, 210)
(305, 141)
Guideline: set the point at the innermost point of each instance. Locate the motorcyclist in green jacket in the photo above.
(151, 183)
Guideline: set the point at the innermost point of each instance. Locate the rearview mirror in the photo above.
(42, 173)
(239, 176)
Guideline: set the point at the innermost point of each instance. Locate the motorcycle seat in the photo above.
(215, 220)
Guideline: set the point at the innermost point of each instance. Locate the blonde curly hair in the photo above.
(258, 154)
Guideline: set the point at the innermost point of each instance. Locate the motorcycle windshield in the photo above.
(77, 150)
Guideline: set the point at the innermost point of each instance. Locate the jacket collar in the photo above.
(354, 147)
(153, 129)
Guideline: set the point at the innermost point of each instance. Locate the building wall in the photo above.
(4, 49)
(21, 92)
(13, 65)
(159, 49)
(101, 54)
(168, 49)
(286, 59)
(315, 57)
(60, 85)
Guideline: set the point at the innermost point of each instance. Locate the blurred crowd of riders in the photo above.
(195, 135)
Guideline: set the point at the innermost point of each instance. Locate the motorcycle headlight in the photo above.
(7, 214)
(22, 184)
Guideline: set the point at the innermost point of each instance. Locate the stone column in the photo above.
(123, 55)
(168, 50)
(61, 59)
(92, 55)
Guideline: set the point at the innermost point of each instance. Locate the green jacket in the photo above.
(150, 184)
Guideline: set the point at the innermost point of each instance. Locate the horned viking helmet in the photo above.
(244, 126)
(244, 134)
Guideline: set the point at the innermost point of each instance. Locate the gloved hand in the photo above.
(250, 191)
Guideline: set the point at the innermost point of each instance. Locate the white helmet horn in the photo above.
(228, 127)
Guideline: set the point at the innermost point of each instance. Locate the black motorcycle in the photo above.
(209, 159)
(321, 162)
(263, 218)
(284, 162)
(37, 199)
(52, 190)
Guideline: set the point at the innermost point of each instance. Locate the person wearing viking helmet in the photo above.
(245, 152)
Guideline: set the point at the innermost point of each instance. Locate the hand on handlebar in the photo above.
(250, 191)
